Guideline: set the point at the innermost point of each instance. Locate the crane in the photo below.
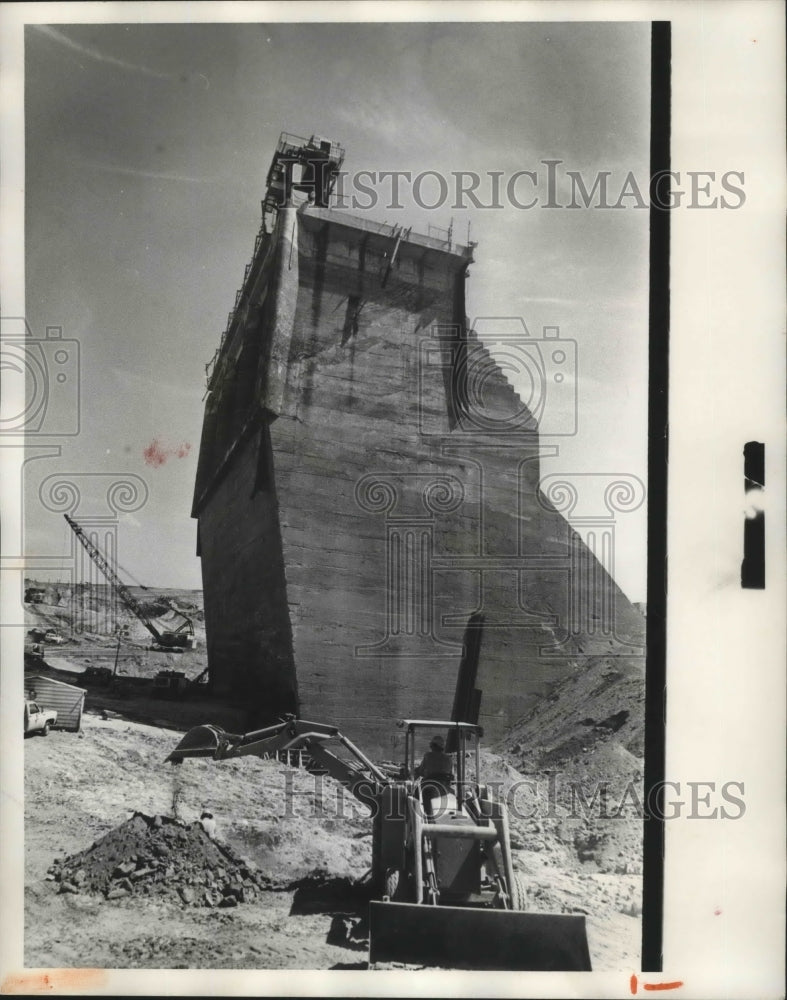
(172, 640)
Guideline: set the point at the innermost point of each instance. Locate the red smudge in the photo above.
(633, 984)
(156, 454)
(54, 981)
(717, 913)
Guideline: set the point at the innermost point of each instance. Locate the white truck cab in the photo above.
(37, 719)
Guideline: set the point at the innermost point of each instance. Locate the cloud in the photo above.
(97, 55)
(382, 117)
(111, 168)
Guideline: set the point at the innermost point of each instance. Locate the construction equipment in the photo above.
(166, 640)
(170, 683)
(175, 684)
(310, 166)
(97, 675)
(442, 870)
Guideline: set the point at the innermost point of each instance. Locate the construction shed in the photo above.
(66, 699)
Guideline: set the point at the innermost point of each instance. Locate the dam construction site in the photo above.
(438, 687)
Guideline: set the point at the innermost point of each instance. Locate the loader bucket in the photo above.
(456, 937)
(201, 741)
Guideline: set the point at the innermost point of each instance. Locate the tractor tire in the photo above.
(45, 730)
(391, 883)
(378, 876)
(518, 894)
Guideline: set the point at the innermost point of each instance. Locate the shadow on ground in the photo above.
(346, 901)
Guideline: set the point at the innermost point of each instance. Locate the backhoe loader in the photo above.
(442, 870)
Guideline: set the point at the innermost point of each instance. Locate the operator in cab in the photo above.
(436, 770)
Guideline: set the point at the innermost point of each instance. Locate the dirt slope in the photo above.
(582, 746)
(601, 697)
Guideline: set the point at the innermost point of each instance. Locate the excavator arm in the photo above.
(359, 775)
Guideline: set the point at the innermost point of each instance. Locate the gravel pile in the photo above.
(159, 856)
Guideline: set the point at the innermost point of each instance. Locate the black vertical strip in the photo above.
(753, 466)
(753, 565)
(658, 373)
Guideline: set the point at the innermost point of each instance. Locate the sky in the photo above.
(146, 152)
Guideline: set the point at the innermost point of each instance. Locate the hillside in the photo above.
(583, 745)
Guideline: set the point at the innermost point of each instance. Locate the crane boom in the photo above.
(113, 579)
(180, 637)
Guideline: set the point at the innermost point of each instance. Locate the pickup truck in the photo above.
(39, 720)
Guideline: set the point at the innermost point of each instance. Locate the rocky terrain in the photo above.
(307, 847)
(121, 874)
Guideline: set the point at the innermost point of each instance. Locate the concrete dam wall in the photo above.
(368, 479)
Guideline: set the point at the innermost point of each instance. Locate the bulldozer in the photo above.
(444, 890)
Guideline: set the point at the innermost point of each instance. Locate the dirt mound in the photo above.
(158, 856)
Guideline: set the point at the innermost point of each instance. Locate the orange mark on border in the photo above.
(54, 981)
(654, 986)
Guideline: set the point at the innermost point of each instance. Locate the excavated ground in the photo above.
(158, 856)
(91, 801)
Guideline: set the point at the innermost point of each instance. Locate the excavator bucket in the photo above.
(456, 937)
(201, 741)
